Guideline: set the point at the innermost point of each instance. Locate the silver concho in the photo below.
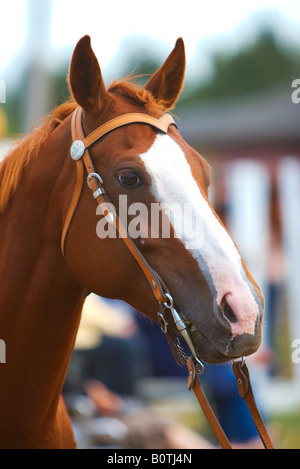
(77, 149)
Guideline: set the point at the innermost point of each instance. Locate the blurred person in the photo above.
(107, 348)
(219, 383)
(276, 278)
(116, 347)
(108, 359)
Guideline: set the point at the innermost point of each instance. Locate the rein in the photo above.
(167, 313)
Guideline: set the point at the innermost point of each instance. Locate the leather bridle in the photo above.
(170, 320)
(81, 154)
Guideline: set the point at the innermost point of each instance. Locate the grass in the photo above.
(286, 430)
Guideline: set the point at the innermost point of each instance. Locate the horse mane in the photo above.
(28, 147)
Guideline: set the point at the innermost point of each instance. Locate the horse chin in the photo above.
(237, 347)
(206, 351)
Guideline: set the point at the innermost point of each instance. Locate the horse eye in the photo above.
(129, 179)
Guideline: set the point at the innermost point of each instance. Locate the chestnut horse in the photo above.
(42, 288)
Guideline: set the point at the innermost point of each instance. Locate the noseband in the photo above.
(170, 320)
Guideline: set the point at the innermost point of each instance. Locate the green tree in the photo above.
(256, 67)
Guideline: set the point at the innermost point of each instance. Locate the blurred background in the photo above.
(239, 109)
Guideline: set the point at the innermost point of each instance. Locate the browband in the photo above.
(79, 146)
(134, 118)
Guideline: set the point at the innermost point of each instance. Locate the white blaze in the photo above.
(173, 182)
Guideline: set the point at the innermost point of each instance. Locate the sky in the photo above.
(155, 24)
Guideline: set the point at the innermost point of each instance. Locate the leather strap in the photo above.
(195, 385)
(241, 372)
(132, 118)
(96, 186)
(76, 193)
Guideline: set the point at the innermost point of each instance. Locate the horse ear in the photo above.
(85, 77)
(166, 84)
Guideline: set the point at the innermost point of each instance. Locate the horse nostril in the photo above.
(228, 311)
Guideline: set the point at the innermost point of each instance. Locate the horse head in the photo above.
(158, 174)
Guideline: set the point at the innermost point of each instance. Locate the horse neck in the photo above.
(40, 301)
